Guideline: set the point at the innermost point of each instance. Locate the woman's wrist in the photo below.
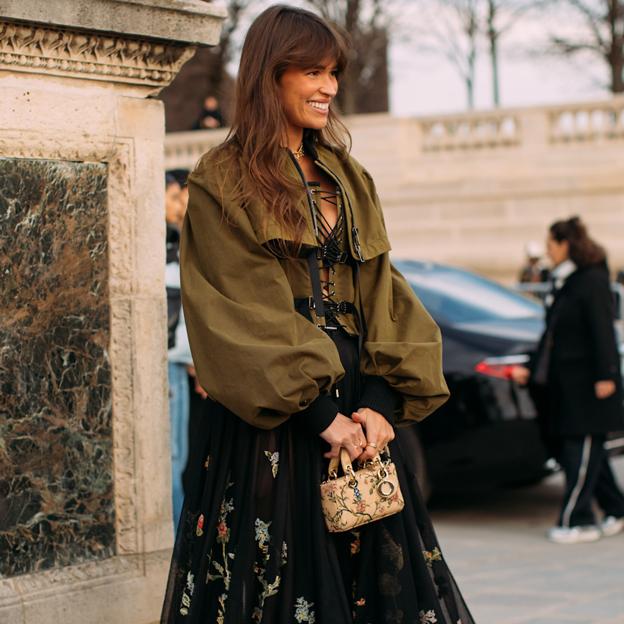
(319, 415)
(379, 396)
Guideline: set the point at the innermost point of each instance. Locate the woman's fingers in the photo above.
(354, 451)
(333, 452)
(378, 432)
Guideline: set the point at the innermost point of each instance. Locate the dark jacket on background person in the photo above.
(583, 350)
(174, 299)
(239, 297)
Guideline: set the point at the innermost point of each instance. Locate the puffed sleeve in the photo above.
(403, 343)
(252, 351)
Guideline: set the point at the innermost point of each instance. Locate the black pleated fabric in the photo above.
(252, 547)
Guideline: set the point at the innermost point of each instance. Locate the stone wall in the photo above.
(85, 500)
(472, 189)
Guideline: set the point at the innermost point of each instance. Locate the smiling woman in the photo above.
(308, 343)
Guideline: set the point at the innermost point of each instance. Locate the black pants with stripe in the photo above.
(588, 477)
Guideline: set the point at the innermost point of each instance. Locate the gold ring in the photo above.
(372, 444)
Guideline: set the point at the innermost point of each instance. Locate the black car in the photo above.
(488, 430)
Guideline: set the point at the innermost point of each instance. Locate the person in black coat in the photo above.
(578, 363)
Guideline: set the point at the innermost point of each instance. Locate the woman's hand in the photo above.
(343, 432)
(520, 374)
(378, 431)
(190, 369)
(604, 389)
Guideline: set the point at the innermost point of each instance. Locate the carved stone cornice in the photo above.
(72, 53)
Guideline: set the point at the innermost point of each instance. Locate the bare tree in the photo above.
(602, 35)
(451, 30)
(499, 19)
(364, 87)
(205, 74)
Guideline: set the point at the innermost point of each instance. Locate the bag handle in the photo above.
(344, 460)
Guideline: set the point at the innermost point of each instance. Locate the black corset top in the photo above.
(331, 240)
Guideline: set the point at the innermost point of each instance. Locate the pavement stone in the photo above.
(495, 544)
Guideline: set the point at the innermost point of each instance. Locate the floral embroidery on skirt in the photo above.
(252, 546)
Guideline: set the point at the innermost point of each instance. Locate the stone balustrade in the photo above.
(473, 188)
(587, 122)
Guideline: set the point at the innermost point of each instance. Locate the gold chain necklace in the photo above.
(299, 153)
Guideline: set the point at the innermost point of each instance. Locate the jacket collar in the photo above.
(561, 273)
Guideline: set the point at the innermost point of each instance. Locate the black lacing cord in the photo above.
(330, 241)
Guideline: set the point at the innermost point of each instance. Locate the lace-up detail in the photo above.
(331, 245)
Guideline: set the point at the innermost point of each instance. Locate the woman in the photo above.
(306, 340)
(578, 362)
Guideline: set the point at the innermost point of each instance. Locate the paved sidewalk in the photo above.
(509, 574)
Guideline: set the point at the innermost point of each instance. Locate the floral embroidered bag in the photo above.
(359, 496)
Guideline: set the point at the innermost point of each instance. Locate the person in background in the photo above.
(197, 393)
(534, 270)
(178, 349)
(578, 365)
(181, 176)
(210, 117)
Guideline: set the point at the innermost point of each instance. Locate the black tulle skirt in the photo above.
(252, 546)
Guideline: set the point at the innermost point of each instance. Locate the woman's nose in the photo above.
(330, 86)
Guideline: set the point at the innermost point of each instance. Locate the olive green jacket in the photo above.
(252, 351)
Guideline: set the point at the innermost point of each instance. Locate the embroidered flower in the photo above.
(187, 593)
(431, 556)
(361, 602)
(269, 588)
(199, 530)
(219, 558)
(355, 544)
(303, 612)
(262, 535)
(223, 533)
(428, 617)
(274, 461)
(207, 462)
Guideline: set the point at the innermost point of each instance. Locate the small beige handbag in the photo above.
(360, 496)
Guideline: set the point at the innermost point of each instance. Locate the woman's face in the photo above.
(557, 251)
(174, 207)
(306, 94)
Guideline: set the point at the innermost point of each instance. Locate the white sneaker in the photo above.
(612, 526)
(575, 534)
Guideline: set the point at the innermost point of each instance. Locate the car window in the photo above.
(460, 297)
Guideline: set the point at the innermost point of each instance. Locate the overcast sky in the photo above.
(423, 83)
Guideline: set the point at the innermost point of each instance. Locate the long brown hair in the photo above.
(280, 37)
(584, 251)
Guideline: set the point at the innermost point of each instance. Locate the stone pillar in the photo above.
(85, 510)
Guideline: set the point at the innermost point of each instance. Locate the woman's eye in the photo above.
(314, 72)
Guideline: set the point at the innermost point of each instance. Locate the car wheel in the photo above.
(414, 457)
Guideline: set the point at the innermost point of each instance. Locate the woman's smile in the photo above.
(321, 107)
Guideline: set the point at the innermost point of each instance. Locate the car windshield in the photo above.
(460, 297)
